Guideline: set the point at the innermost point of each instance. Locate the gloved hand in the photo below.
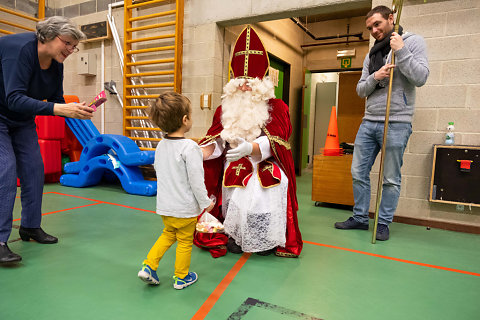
(243, 149)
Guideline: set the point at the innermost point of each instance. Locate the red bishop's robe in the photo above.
(278, 130)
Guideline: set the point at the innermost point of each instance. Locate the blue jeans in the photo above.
(368, 144)
(20, 156)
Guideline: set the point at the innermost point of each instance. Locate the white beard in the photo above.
(244, 113)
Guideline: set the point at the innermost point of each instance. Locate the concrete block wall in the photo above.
(87, 87)
(450, 94)
(325, 57)
(23, 6)
(203, 70)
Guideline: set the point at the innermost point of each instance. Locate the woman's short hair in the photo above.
(50, 28)
(168, 110)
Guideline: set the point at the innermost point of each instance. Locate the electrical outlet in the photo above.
(460, 207)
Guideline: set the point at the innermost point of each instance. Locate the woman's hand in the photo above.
(73, 110)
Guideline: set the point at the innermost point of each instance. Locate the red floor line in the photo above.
(305, 241)
(222, 286)
(395, 259)
(44, 214)
(122, 205)
(100, 201)
(71, 195)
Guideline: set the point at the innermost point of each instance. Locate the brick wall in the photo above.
(452, 93)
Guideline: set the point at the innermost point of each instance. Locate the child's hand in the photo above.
(207, 151)
(210, 207)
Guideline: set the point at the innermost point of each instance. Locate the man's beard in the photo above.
(242, 117)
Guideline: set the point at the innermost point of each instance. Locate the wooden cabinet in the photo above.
(332, 180)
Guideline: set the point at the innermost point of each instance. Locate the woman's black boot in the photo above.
(36, 234)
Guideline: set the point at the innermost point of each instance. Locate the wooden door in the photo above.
(351, 108)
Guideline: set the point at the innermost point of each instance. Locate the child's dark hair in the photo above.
(168, 110)
(384, 11)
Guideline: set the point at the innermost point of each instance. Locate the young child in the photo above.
(181, 192)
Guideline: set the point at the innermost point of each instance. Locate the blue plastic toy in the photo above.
(131, 178)
(84, 130)
(107, 152)
(123, 147)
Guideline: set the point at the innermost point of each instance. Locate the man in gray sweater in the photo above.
(411, 71)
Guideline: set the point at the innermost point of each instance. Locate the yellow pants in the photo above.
(176, 229)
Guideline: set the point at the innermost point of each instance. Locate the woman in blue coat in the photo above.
(31, 83)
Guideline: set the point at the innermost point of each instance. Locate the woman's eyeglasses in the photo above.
(69, 46)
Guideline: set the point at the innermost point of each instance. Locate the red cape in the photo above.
(278, 130)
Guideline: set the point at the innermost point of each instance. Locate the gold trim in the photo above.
(234, 185)
(285, 255)
(211, 247)
(208, 139)
(239, 168)
(248, 52)
(247, 48)
(277, 139)
(260, 180)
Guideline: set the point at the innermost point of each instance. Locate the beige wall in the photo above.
(451, 93)
(87, 87)
(325, 57)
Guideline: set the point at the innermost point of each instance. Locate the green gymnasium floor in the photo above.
(105, 234)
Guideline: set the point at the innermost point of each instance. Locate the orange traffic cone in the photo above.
(332, 147)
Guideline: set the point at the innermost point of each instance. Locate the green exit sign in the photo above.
(346, 63)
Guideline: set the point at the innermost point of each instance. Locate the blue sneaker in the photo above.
(191, 278)
(351, 223)
(148, 275)
(382, 232)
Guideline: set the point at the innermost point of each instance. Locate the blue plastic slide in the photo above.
(123, 147)
(107, 152)
(92, 171)
(84, 130)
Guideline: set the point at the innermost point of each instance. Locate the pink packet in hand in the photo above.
(98, 101)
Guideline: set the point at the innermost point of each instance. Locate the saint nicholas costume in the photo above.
(256, 197)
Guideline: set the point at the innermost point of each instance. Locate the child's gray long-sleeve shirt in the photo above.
(411, 71)
(181, 191)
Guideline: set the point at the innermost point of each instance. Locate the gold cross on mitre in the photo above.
(238, 168)
(246, 53)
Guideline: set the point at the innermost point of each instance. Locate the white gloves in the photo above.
(243, 149)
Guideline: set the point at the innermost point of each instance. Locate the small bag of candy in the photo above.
(209, 224)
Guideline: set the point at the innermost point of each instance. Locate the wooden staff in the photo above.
(396, 8)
